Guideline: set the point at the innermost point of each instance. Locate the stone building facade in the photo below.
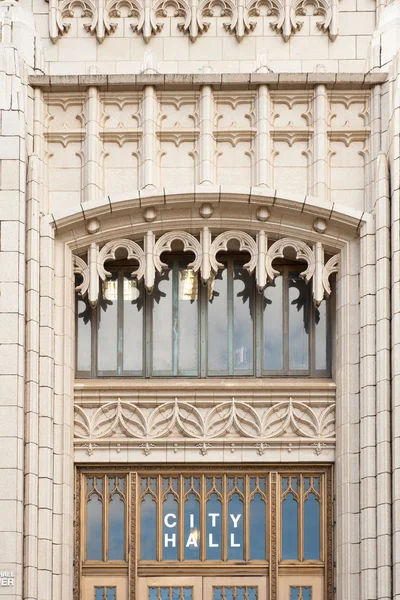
(200, 300)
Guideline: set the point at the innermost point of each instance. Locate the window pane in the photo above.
(273, 326)
(188, 320)
(84, 332)
(116, 525)
(311, 521)
(243, 308)
(108, 325)
(257, 528)
(289, 519)
(321, 337)
(298, 322)
(148, 532)
(218, 323)
(133, 324)
(235, 528)
(214, 528)
(94, 528)
(170, 528)
(162, 322)
(192, 528)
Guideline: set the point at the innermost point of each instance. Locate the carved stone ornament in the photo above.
(285, 422)
(303, 252)
(101, 16)
(205, 259)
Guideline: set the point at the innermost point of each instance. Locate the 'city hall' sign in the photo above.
(170, 521)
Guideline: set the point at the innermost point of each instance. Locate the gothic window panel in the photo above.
(186, 329)
(105, 518)
(301, 516)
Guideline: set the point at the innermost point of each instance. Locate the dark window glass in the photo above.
(94, 519)
(257, 528)
(290, 531)
(298, 323)
(83, 334)
(107, 349)
(148, 528)
(273, 326)
(116, 520)
(133, 303)
(218, 330)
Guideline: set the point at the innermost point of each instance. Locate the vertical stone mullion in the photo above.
(93, 147)
(368, 587)
(63, 423)
(46, 406)
(148, 155)
(320, 143)
(347, 427)
(395, 336)
(383, 446)
(32, 383)
(206, 139)
(263, 142)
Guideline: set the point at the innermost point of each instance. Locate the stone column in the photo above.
(347, 467)
(383, 447)
(148, 153)
(368, 587)
(263, 140)
(16, 56)
(206, 140)
(93, 147)
(320, 143)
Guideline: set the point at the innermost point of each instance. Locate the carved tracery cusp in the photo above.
(108, 252)
(303, 252)
(246, 244)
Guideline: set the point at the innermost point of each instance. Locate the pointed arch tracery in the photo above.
(205, 249)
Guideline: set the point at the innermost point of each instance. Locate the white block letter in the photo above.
(166, 520)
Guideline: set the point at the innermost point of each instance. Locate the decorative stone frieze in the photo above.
(205, 251)
(145, 17)
(245, 424)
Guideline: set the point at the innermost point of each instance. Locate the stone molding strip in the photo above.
(218, 81)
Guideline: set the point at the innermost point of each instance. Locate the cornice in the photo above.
(218, 81)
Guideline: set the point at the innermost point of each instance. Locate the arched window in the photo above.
(185, 328)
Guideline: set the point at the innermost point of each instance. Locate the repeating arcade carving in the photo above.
(258, 426)
(205, 252)
(191, 15)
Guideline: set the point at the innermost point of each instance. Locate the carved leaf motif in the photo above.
(231, 417)
(175, 415)
(81, 423)
(327, 422)
(111, 418)
(290, 417)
